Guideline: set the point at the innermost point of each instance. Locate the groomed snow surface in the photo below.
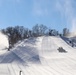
(39, 56)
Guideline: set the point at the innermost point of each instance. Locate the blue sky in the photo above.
(56, 14)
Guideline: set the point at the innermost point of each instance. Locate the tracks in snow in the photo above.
(52, 62)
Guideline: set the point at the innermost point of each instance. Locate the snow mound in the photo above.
(3, 41)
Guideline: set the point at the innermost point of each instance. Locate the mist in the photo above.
(4, 43)
(68, 10)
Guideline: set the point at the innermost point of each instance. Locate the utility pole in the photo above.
(20, 72)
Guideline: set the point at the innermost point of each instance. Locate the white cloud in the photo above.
(40, 7)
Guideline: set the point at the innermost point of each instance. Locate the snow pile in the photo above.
(3, 41)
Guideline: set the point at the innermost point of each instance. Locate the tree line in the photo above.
(19, 32)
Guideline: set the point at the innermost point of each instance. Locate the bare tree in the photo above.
(65, 32)
(39, 30)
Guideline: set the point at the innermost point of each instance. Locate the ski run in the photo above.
(39, 56)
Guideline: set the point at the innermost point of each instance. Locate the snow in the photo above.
(3, 41)
(39, 56)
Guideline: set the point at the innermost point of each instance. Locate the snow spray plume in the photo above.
(73, 34)
(68, 10)
(4, 43)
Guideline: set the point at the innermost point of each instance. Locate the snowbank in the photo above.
(3, 41)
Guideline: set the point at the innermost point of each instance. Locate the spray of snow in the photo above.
(67, 10)
(3, 41)
(73, 27)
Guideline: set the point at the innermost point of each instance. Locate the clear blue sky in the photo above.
(56, 14)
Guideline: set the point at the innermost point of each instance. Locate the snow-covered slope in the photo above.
(27, 50)
(39, 56)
